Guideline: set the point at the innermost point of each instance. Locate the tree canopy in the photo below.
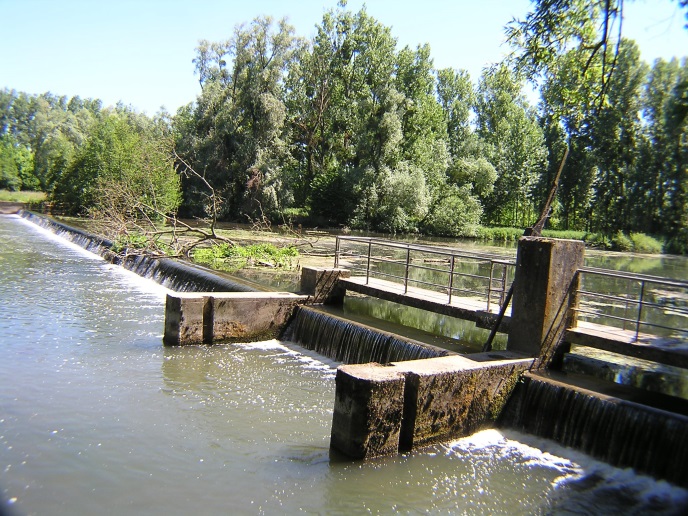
(347, 129)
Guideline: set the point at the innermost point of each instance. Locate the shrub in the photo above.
(620, 242)
(130, 241)
(234, 257)
(500, 234)
(678, 244)
(565, 234)
(643, 243)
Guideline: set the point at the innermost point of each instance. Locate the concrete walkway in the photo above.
(471, 309)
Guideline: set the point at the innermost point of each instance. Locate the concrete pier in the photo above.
(544, 286)
(323, 285)
(196, 318)
(449, 397)
(384, 409)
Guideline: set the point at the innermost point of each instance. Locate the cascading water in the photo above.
(174, 275)
(351, 343)
(622, 433)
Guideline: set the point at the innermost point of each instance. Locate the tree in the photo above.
(516, 147)
(665, 156)
(234, 135)
(123, 172)
(615, 135)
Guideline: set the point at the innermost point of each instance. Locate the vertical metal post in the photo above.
(336, 253)
(640, 309)
(505, 274)
(408, 261)
(451, 278)
(489, 285)
(370, 244)
(625, 316)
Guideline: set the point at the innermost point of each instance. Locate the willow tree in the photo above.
(350, 98)
(234, 134)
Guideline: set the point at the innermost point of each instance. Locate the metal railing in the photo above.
(635, 302)
(454, 273)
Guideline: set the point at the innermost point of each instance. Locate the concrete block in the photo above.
(452, 397)
(544, 286)
(380, 410)
(195, 318)
(184, 319)
(369, 402)
(322, 284)
(251, 316)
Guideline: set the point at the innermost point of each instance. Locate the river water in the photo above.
(98, 417)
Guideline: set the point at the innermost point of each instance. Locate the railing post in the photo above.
(505, 274)
(370, 244)
(489, 286)
(640, 309)
(451, 278)
(336, 253)
(408, 260)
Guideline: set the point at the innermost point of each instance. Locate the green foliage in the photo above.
(128, 241)
(678, 243)
(643, 243)
(235, 134)
(123, 171)
(499, 234)
(16, 165)
(456, 214)
(516, 147)
(621, 242)
(564, 234)
(24, 196)
(234, 257)
(598, 240)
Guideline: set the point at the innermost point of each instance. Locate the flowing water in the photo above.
(97, 417)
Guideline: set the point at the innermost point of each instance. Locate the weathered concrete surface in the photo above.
(544, 287)
(368, 408)
(451, 397)
(381, 410)
(204, 317)
(323, 284)
(9, 207)
(184, 315)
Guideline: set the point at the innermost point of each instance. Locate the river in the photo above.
(98, 417)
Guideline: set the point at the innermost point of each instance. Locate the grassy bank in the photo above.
(633, 242)
(22, 196)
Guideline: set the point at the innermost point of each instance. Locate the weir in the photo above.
(171, 274)
(352, 343)
(394, 394)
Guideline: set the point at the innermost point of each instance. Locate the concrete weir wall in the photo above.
(385, 409)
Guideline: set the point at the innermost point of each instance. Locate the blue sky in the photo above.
(140, 51)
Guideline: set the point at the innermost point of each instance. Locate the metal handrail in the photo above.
(637, 307)
(628, 300)
(450, 257)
